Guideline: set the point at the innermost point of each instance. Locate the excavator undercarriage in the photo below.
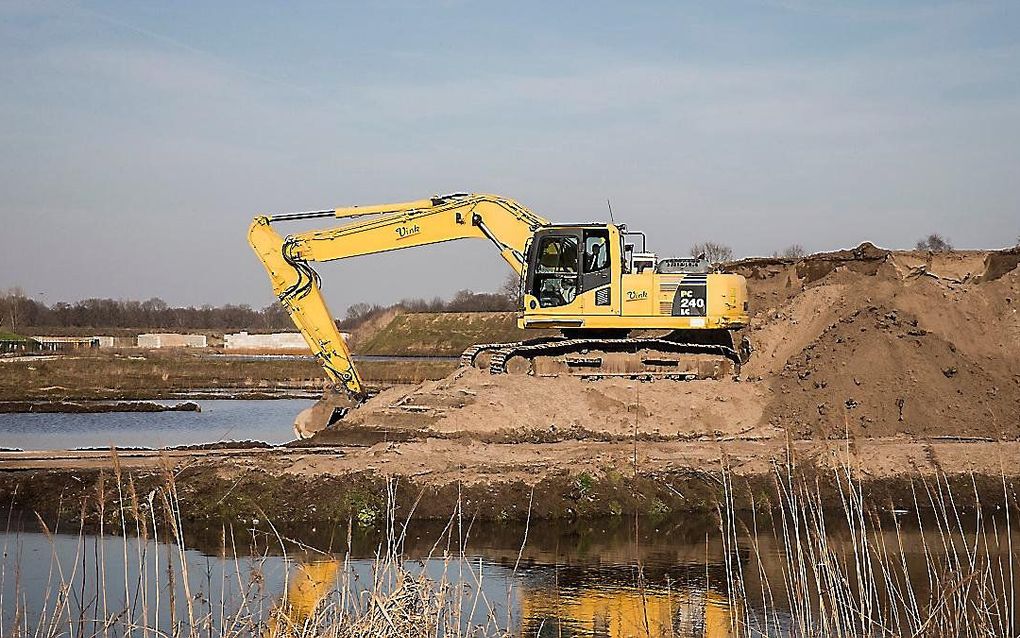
(676, 356)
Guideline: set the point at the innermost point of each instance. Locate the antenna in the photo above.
(610, 205)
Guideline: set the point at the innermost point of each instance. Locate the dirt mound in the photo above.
(888, 343)
(519, 407)
(867, 341)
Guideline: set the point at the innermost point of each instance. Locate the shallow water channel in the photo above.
(270, 421)
(608, 578)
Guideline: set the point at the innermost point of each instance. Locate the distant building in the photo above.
(171, 340)
(19, 345)
(275, 341)
(116, 342)
(63, 344)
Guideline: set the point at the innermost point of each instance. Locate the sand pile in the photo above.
(882, 343)
(868, 341)
(518, 407)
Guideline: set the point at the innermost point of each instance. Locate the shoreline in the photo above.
(564, 480)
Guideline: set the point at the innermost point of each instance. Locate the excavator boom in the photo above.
(504, 222)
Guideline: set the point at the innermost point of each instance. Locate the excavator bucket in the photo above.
(328, 410)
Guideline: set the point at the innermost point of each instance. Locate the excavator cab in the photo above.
(570, 270)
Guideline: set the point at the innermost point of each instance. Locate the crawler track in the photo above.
(467, 358)
(590, 352)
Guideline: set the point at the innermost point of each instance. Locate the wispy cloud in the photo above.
(908, 120)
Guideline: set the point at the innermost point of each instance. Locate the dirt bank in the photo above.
(438, 333)
(496, 481)
(877, 343)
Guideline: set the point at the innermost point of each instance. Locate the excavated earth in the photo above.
(897, 365)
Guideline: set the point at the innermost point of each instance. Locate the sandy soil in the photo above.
(436, 478)
(441, 462)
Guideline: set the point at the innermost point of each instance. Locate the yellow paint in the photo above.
(609, 611)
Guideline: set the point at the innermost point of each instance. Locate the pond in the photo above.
(614, 577)
(270, 421)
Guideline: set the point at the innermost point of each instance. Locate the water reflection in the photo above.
(308, 586)
(593, 605)
(219, 420)
(612, 602)
(606, 579)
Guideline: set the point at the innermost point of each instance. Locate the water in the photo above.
(220, 420)
(590, 579)
(605, 578)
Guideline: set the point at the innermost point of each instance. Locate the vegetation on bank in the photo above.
(18, 312)
(448, 333)
(505, 300)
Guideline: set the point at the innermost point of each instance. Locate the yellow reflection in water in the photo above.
(309, 585)
(622, 612)
(592, 608)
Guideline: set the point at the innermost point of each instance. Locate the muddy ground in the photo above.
(159, 375)
(897, 366)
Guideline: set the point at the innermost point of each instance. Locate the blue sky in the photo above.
(139, 139)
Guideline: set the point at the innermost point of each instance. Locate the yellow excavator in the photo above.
(619, 311)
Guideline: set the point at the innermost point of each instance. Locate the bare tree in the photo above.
(935, 243)
(12, 303)
(713, 252)
(793, 251)
(510, 288)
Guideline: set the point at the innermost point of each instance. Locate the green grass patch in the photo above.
(444, 333)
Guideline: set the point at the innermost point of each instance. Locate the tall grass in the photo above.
(953, 577)
(134, 576)
(803, 562)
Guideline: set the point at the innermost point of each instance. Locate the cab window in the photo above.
(596, 250)
(556, 272)
(558, 255)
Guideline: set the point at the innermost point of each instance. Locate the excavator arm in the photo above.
(504, 222)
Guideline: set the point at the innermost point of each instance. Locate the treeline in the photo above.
(18, 312)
